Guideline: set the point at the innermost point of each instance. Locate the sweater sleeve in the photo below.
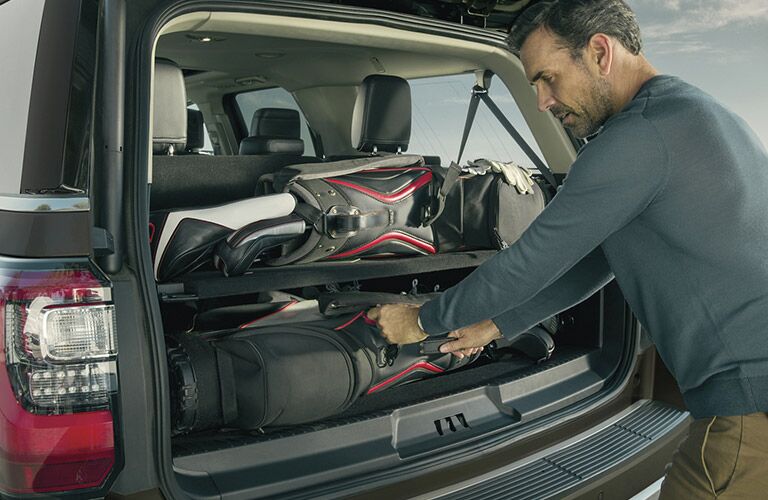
(588, 276)
(616, 176)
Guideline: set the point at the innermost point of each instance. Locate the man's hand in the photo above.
(399, 323)
(471, 339)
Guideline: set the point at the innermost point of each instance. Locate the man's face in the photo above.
(575, 92)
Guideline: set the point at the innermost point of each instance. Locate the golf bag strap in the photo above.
(354, 220)
(343, 220)
(311, 215)
(227, 386)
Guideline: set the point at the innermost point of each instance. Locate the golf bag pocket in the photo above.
(182, 240)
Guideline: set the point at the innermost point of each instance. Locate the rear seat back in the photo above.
(184, 181)
(195, 132)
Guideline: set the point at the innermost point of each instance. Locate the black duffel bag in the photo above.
(479, 208)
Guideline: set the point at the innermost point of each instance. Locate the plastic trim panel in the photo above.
(558, 469)
(45, 234)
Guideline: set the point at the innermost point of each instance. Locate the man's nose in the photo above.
(545, 99)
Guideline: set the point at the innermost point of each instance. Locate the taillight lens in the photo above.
(58, 375)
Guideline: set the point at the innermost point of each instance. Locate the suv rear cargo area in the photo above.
(504, 395)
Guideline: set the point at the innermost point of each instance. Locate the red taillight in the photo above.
(57, 375)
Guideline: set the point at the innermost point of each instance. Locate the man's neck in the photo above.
(632, 76)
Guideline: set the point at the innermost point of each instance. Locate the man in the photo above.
(671, 197)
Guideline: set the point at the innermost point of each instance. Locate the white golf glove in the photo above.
(514, 174)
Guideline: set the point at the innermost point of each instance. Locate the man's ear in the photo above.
(601, 52)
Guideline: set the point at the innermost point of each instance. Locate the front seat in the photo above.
(274, 131)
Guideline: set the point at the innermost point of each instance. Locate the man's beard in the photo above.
(592, 114)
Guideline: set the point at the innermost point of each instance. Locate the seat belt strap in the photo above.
(479, 93)
(474, 101)
(543, 168)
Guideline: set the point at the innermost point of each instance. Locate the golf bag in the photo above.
(289, 374)
(386, 206)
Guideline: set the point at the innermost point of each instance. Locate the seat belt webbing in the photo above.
(474, 101)
(454, 171)
(478, 94)
(543, 168)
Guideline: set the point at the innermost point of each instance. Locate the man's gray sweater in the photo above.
(671, 197)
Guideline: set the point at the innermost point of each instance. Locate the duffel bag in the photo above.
(485, 205)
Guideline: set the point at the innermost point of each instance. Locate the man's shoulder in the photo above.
(676, 99)
(623, 144)
(632, 125)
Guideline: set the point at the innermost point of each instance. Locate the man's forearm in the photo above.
(605, 189)
(579, 283)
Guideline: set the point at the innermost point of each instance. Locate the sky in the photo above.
(721, 46)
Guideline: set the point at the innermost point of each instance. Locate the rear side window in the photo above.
(276, 97)
(47, 56)
(19, 31)
(78, 149)
(440, 110)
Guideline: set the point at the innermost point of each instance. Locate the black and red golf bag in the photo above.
(358, 208)
(287, 374)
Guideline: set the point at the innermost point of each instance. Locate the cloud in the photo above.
(701, 16)
(666, 4)
(679, 27)
(683, 45)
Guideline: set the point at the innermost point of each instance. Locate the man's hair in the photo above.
(574, 22)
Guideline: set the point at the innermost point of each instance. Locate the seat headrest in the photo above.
(274, 131)
(276, 122)
(270, 146)
(381, 119)
(169, 101)
(195, 131)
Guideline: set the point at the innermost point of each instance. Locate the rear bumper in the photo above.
(615, 459)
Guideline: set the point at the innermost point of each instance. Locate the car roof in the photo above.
(492, 14)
